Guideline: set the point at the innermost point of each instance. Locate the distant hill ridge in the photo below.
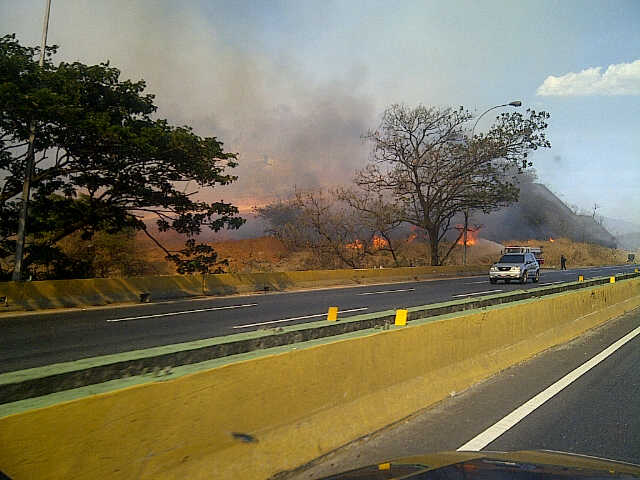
(540, 214)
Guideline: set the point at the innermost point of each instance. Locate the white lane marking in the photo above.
(550, 283)
(476, 293)
(387, 291)
(473, 283)
(493, 432)
(183, 313)
(297, 318)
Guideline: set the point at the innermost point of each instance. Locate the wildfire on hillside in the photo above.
(357, 245)
(379, 242)
(472, 235)
(551, 239)
(415, 233)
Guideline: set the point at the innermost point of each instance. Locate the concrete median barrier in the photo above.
(230, 283)
(39, 381)
(277, 409)
(96, 291)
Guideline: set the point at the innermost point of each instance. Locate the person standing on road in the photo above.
(563, 262)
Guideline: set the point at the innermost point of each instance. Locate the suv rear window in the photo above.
(512, 259)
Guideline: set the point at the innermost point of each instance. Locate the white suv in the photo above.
(515, 266)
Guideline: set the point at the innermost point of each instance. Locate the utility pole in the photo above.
(30, 161)
(464, 234)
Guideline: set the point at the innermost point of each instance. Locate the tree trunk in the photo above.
(433, 241)
(390, 248)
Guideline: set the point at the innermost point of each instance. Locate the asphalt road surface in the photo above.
(597, 414)
(35, 339)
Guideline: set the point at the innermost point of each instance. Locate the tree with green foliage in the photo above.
(103, 162)
(425, 160)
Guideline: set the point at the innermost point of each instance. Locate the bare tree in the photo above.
(284, 221)
(323, 223)
(425, 161)
(377, 214)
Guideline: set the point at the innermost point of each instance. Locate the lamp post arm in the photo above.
(516, 103)
(482, 115)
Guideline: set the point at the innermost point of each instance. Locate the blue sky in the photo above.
(291, 85)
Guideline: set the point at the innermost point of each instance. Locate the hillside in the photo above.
(540, 215)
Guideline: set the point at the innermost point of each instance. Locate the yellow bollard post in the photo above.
(612, 279)
(636, 270)
(581, 278)
(332, 314)
(401, 317)
(384, 466)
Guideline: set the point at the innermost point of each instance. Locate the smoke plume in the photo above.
(287, 128)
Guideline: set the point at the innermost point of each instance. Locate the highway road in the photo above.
(35, 339)
(597, 414)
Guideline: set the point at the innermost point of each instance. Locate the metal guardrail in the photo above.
(14, 390)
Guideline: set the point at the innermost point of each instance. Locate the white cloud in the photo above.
(619, 79)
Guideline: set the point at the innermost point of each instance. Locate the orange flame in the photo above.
(472, 235)
(411, 237)
(551, 239)
(357, 245)
(379, 242)
(471, 238)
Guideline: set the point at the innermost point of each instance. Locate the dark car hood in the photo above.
(524, 465)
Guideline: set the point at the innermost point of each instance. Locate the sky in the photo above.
(292, 86)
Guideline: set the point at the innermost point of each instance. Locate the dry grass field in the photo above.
(577, 254)
(265, 254)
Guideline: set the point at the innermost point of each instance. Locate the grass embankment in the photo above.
(577, 254)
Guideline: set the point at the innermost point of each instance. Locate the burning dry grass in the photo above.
(267, 254)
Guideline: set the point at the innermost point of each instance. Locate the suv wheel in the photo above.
(524, 277)
(537, 277)
(493, 281)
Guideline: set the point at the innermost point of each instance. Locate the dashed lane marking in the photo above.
(477, 293)
(387, 291)
(296, 318)
(229, 307)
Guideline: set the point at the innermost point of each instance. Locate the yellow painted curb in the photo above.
(401, 317)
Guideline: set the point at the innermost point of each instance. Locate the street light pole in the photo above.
(515, 103)
(30, 161)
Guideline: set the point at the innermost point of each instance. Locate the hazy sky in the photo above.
(292, 85)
